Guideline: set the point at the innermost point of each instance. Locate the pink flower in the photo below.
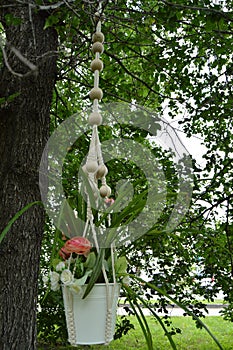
(109, 201)
(64, 254)
(78, 245)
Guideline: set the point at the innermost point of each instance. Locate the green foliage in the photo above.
(15, 217)
(181, 304)
(51, 21)
(51, 323)
(5, 101)
(11, 20)
(123, 326)
(121, 265)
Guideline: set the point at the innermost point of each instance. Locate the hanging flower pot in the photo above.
(91, 320)
(90, 306)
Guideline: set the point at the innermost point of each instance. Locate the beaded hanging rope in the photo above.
(96, 170)
(95, 166)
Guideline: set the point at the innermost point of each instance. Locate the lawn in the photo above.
(191, 338)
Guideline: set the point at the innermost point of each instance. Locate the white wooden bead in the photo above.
(101, 171)
(95, 118)
(97, 64)
(105, 191)
(91, 166)
(97, 47)
(96, 93)
(98, 36)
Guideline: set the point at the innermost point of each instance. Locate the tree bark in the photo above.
(24, 130)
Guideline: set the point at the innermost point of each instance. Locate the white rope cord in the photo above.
(108, 323)
(69, 315)
(86, 227)
(110, 299)
(113, 262)
(95, 167)
(98, 147)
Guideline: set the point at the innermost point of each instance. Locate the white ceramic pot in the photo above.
(91, 320)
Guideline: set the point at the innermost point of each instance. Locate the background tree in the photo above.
(28, 72)
(157, 54)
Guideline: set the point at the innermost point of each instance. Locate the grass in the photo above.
(191, 338)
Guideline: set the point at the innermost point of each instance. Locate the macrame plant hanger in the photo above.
(96, 171)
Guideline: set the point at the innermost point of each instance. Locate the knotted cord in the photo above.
(95, 168)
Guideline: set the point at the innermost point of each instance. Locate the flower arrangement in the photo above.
(75, 263)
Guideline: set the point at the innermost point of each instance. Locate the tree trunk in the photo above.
(24, 130)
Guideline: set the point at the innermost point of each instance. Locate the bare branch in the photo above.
(40, 7)
(54, 6)
(24, 60)
(71, 8)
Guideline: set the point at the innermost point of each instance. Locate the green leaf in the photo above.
(16, 216)
(91, 260)
(51, 21)
(12, 20)
(173, 345)
(181, 305)
(5, 100)
(95, 273)
(55, 262)
(81, 281)
(132, 298)
(121, 265)
(106, 265)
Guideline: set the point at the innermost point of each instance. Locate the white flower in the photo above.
(55, 286)
(75, 287)
(67, 277)
(61, 266)
(54, 279)
(45, 279)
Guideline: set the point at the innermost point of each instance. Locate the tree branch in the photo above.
(40, 7)
(24, 60)
(196, 8)
(117, 59)
(215, 205)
